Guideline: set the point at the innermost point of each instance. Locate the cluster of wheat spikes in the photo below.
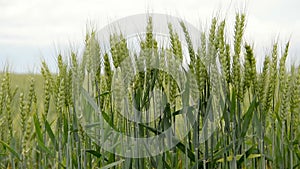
(258, 128)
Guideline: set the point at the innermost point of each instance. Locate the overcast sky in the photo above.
(33, 30)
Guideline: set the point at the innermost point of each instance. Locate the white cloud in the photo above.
(38, 24)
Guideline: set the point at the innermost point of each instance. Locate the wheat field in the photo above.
(46, 120)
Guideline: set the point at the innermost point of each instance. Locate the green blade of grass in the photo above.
(247, 118)
(51, 134)
(13, 151)
(39, 135)
(113, 164)
(179, 145)
(37, 128)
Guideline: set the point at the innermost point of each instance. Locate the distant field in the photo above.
(22, 82)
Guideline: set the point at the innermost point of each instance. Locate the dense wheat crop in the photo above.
(47, 122)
